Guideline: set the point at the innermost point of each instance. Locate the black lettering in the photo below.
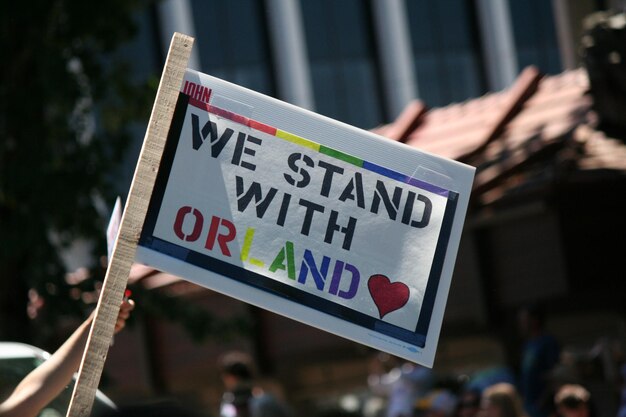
(408, 210)
(428, 208)
(243, 200)
(199, 136)
(328, 176)
(392, 205)
(333, 226)
(311, 208)
(282, 214)
(292, 161)
(240, 149)
(355, 184)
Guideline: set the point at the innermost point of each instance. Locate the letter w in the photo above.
(217, 143)
(243, 200)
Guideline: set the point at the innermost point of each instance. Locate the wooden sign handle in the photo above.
(125, 248)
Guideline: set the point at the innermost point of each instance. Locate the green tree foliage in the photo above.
(66, 105)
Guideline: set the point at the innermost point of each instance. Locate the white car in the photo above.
(18, 359)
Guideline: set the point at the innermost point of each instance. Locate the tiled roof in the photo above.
(539, 119)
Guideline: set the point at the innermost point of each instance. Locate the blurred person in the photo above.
(540, 354)
(489, 376)
(44, 383)
(501, 400)
(438, 403)
(573, 400)
(242, 397)
(403, 385)
(469, 403)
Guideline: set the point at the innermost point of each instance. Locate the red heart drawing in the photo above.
(387, 296)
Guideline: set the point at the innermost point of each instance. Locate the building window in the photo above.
(341, 51)
(233, 42)
(534, 30)
(446, 49)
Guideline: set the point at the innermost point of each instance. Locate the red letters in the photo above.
(222, 239)
(223, 235)
(197, 227)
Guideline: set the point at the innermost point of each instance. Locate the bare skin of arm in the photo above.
(48, 380)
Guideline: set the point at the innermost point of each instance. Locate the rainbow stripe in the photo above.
(325, 150)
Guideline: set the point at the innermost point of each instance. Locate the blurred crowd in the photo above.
(548, 382)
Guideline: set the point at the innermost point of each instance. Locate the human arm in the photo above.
(48, 380)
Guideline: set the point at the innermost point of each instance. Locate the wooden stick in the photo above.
(116, 278)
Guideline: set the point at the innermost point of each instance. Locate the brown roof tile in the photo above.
(537, 119)
(408, 120)
(477, 122)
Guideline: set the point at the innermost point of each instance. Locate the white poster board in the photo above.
(113, 227)
(308, 217)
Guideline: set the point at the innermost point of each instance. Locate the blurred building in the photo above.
(546, 220)
(362, 61)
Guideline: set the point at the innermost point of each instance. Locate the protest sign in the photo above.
(308, 217)
(288, 210)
